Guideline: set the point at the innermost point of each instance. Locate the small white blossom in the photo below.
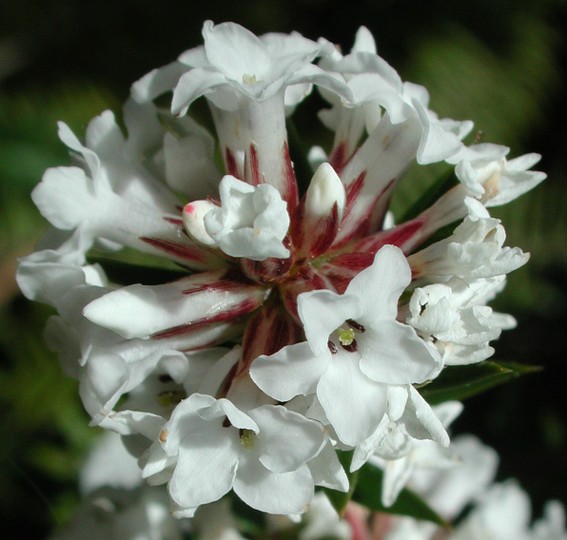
(261, 454)
(251, 221)
(355, 348)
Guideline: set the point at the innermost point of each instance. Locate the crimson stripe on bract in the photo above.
(255, 178)
(177, 250)
(307, 279)
(370, 217)
(174, 221)
(267, 331)
(325, 234)
(340, 270)
(290, 195)
(338, 158)
(230, 162)
(219, 286)
(398, 236)
(243, 308)
(353, 189)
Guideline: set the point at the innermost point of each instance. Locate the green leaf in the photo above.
(127, 273)
(431, 195)
(460, 382)
(338, 499)
(368, 492)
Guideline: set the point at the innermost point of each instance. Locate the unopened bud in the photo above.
(193, 218)
(324, 191)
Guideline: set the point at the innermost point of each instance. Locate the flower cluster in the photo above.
(238, 330)
(118, 505)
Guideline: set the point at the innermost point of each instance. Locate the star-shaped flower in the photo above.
(355, 348)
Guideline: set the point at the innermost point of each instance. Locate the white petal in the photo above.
(396, 475)
(327, 470)
(353, 403)
(106, 374)
(428, 419)
(292, 371)
(393, 354)
(275, 493)
(205, 468)
(236, 52)
(140, 310)
(157, 82)
(194, 84)
(367, 447)
(287, 439)
(379, 286)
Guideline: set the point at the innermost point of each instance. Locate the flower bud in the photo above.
(193, 218)
(324, 191)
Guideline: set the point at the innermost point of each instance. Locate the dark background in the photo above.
(500, 63)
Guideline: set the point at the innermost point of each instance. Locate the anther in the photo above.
(332, 347)
(247, 438)
(355, 325)
(350, 347)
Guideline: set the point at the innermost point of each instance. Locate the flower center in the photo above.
(346, 337)
(249, 80)
(247, 438)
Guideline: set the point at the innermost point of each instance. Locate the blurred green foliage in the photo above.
(498, 62)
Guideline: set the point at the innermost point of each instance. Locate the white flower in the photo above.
(475, 250)
(322, 521)
(489, 177)
(503, 513)
(449, 490)
(237, 62)
(109, 464)
(420, 454)
(216, 521)
(115, 200)
(109, 514)
(452, 316)
(355, 348)
(552, 525)
(261, 454)
(251, 221)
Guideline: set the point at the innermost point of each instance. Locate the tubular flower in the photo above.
(243, 325)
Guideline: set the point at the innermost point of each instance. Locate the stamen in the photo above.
(249, 80)
(226, 422)
(351, 347)
(247, 438)
(355, 325)
(332, 347)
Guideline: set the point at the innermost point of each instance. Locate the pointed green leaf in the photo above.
(460, 382)
(127, 273)
(440, 186)
(368, 492)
